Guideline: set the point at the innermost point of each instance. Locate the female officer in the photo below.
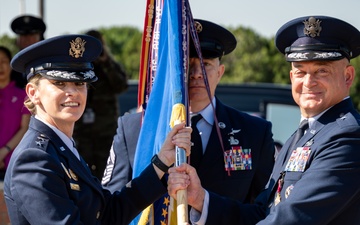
(47, 181)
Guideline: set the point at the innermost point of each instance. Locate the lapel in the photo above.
(79, 167)
(329, 116)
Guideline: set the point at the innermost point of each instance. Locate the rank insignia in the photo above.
(40, 142)
(238, 159)
(298, 159)
(109, 167)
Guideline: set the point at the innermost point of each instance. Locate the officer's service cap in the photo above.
(215, 40)
(318, 38)
(63, 58)
(28, 24)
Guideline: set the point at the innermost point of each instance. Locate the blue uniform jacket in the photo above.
(243, 130)
(46, 184)
(326, 192)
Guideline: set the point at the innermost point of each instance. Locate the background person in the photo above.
(47, 181)
(14, 117)
(314, 180)
(95, 130)
(29, 30)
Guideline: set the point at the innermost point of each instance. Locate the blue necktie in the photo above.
(299, 133)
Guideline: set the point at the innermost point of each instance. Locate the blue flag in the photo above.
(168, 99)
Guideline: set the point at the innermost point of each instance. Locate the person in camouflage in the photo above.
(94, 131)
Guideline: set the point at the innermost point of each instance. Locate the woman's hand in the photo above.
(179, 136)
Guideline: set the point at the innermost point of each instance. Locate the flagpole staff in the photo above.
(181, 195)
(179, 114)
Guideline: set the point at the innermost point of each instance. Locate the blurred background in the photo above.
(254, 24)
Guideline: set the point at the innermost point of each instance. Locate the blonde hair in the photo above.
(28, 103)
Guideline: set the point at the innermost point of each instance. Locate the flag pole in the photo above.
(181, 195)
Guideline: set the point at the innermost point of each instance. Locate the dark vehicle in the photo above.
(272, 102)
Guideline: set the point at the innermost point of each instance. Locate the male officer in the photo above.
(29, 30)
(246, 138)
(314, 180)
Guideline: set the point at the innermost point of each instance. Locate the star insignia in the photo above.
(166, 201)
(164, 213)
(39, 143)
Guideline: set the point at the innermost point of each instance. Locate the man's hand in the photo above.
(185, 177)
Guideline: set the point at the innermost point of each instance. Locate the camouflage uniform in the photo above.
(95, 130)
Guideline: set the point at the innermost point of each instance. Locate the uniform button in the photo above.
(98, 215)
(93, 167)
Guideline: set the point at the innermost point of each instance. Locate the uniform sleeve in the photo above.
(118, 170)
(123, 206)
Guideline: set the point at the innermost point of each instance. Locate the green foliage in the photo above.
(355, 89)
(125, 45)
(10, 43)
(255, 58)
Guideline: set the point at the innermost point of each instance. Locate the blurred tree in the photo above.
(10, 43)
(255, 58)
(355, 89)
(125, 45)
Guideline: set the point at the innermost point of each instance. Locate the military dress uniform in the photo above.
(314, 182)
(47, 182)
(244, 130)
(247, 139)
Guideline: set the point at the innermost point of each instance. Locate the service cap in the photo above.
(63, 58)
(215, 40)
(27, 24)
(318, 38)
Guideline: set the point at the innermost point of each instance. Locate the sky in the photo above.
(263, 16)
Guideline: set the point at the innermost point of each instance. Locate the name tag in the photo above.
(75, 187)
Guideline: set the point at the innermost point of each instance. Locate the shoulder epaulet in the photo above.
(41, 141)
(347, 120)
